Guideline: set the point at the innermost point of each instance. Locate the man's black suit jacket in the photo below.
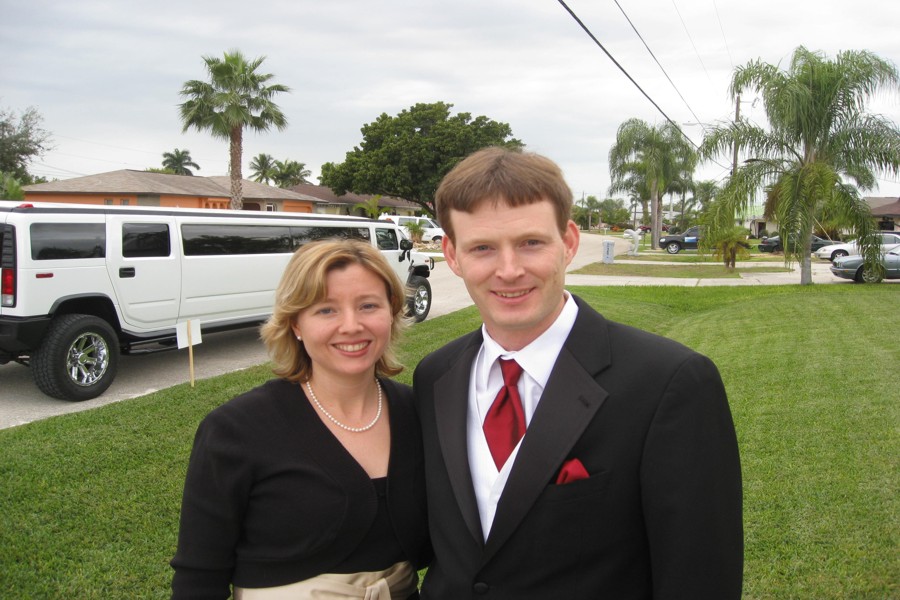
(660, 514)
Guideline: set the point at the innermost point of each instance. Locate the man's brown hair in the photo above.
(502, 175)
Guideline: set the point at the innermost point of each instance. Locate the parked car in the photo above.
(773, 244)
(675, 243)
(888, 238)
(851, 267)
(431, 231)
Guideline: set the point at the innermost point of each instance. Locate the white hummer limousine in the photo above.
(83, 283)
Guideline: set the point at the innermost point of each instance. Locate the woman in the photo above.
(313, 482)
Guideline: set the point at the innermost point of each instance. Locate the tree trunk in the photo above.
(235, 152)
(805, 261)
(654, 216)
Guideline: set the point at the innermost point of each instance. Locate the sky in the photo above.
(106, 74)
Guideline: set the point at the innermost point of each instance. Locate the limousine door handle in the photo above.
(126, 272)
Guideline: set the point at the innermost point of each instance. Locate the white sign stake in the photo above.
(188, 334)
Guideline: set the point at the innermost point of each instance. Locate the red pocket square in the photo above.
(572, 470)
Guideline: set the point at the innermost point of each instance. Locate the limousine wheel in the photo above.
(420, 298)
(78, 358)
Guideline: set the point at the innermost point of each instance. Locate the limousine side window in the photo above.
(304, 235)
(145, 240)
(387, 239)
(54, 241)
(214, 239)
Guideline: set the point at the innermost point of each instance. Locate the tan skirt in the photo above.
(398, 582)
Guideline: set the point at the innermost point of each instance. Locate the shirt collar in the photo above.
(538, 357)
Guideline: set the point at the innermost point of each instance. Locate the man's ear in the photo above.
(571, 238)
(450, 255)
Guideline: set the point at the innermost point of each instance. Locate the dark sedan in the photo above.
(773, 244)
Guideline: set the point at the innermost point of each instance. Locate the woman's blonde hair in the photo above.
(303, 284)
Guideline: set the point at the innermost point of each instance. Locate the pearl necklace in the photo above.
(338, 423)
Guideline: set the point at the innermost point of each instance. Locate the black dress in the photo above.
(272, 497)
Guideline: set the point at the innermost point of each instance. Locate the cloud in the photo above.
(106, 75)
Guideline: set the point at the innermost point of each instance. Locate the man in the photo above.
(626, 483)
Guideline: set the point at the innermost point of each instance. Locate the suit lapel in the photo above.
(568, 404)
(451, 408)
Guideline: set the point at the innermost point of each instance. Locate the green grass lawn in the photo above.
(692, 256)
(89, 502)
(688, 270)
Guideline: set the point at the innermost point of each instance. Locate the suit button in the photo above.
(481, 588)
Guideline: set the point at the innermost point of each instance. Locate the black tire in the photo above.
(78, 358)
(838, 254)
(419, 302)
(436, 239)
(673, 247)
(866, 276)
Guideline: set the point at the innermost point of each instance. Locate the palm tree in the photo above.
(369, 207)
(704, 193)
(590, 207)
(262, 168)
(820, 149)
(727, 244)
(650, 158)
(235, 97)
(177, 161)
(289, 173)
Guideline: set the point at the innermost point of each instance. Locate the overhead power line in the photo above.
(621, 68)
(683, 24)
(630, 78)
(661, 68)
(724, 39)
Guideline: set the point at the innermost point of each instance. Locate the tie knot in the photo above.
(511, 372)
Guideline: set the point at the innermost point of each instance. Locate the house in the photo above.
(331, 203)
(886, 211)
(144, 188)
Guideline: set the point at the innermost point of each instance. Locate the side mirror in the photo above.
(406, 244)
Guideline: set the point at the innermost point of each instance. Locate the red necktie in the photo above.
(504, 425)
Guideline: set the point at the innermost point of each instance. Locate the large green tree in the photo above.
(179, 162)
(821, 147)
(647, 158)
(21, 140)
(235, 97)
(613, 211)
(407, 155)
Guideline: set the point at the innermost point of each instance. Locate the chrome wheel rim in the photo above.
(420, 300)
(87, 359)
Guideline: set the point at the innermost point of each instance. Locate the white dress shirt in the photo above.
(537, 360)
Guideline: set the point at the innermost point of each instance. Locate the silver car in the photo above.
(851, 267)
(834, 251)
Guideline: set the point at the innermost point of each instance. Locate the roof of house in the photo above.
(876, 201)
(326, 194)
(127, 181)
(890, 209)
